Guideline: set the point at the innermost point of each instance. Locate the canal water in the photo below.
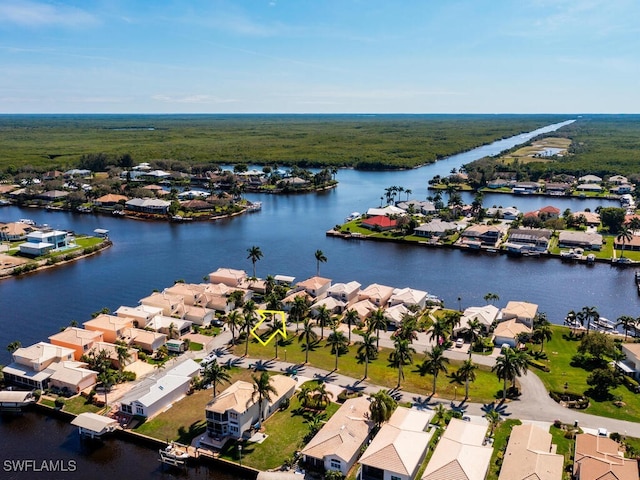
(289, 229)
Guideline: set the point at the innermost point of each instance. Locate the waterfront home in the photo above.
(507, 332)
(462, 452)
(338, 443)
(482, 235)
(110, 200)
(506, 213)
(146, 340)
(525, 188)
(289, 300)
(622, 189)
(528, 239)
(200, 316)
(15, 231)
(148, 205)
(345, 292)
(486, 316)
(191, 293)
(560, 188)
(170, 304)
(599, 457)
(396, 314)
(618, 180)
(30, 364)
(315, 286)
(497, 183)
(379, 223)
(398, 449)
(364, 308)
(228, 277)
(590, 179)
(530, 454)
(71, 377)
(586, 240)
(385, 211)
(171, 327)
(78, 339)
(631, 363)
(408, 297)
(633, 244)
(330, 303)
(295, 182)
(549, 212)
(436, 228)
(418, 206)
(591, 219)
(141, 315)
(523, 312)
(112, 352)
(111, 326)
(234, 413)
(377, 294)
(42, 242)
(52, 195)
(155, 394)
(589, 187)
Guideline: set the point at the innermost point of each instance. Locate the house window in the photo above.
(233, 415)
(233, 429)
(335, 464)
(126, 408)
(139, 410)
(393, 477)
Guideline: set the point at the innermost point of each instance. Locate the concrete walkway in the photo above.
(534, 404)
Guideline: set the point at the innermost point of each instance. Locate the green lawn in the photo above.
(560, 350)
(285, 432)
(486, 388)
(565, 447)
(80, 405)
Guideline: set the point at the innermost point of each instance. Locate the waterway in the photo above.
(289, 229)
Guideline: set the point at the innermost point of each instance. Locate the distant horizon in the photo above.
(299, 114)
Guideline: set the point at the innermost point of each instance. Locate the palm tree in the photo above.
(323, 318)
(452, 320)
(255, 254)
(234, 320)
(122, 352)
(474, 327)
(269, 284)
(215, 374)
(467, 371)
(541, 333)
(439, 330)
(624, 235)
(299, 309)
(509, 366)
(367, 350)
(491, 297)
(381, 407)
(321, 396)
(589, 315)
(262, 389)
(320, 258)
(627, 322)
(338, 343)
(493, 417)
(377, 322)
(401, 356)
(434, 363)
(309, 336)
(439, 414)
(351, 316)
(13, 346)
(274, 328)
(249, 315)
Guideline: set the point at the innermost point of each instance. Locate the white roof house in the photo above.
(399, 447)
(524, 312)
(485, 315)
(408, 296)
(386, 211)
(461, 453)
(376, 294)
(396, 314)
(590, 179)
(344, 291)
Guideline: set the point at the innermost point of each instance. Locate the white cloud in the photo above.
(35, 14)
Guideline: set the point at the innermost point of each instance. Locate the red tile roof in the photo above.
(380, 221)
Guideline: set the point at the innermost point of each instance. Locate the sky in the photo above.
(319, 56)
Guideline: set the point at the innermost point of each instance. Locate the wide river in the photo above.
(289, 229)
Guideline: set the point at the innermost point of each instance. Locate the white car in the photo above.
(460, 343)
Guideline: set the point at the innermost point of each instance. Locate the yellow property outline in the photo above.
(266, 315)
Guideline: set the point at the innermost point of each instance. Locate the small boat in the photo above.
(591, 259)
(254, 207)
(605, 324)
(174, 454)
(26, 221)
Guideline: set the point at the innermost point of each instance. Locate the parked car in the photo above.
(217, 323)
(460, 343)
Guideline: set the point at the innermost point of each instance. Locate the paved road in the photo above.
(534, 403)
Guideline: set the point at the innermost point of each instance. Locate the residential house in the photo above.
(385, 211)
(110, 200)
(315, 286)
(345, 292)
(295, 182)
(14, 231)
(622, 189)
(330, 303)
(228, 276)
(200, 316)
(549, 212)
(618, 180)
(170, 304)
(42, 242)
(52, 195)
(171, 327)
(589, 187)
(148, 205)
(144, 339)
(111, 326)
(338, 443)
(530, 454)
(486, 316)
(154, 395)
(497, 183)
(71, 377)
(364, 308)
(436, 228)
(398, 449)
(559, 189)
(408, 297)
(523, 312)
(598, 457)
(481, 235)
(591, 219)
(396, 314)
(418, 206)
(235, 411)
(461, 453)
(528, 239)
(78, 339)
(377, 294)
(525, 188)
(30, 366)
(112, 351)
(141, 315)
(633, 244)
(631, 363)
(507, 332)
(586, 240)
(506, 213)
(379, 223)
(191, 293)
(590, 179)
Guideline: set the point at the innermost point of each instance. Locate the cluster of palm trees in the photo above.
(589, 316)
(391, 192)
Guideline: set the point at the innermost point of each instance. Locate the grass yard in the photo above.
(79, 404)
(486, 388)
(285, 429)
(565, 446)
(560, 351)
(185, 420)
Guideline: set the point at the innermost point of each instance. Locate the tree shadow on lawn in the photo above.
(195, 429)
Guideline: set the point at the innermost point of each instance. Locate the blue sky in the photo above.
(324, 56)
